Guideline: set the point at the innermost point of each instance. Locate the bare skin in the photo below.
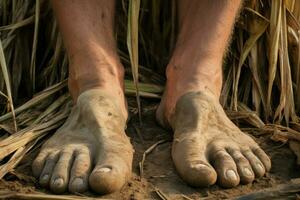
(207, 146)
(91, 148)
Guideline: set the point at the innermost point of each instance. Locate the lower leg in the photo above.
(91, 148)
(207, 146)
(196, 63)
(87, 30)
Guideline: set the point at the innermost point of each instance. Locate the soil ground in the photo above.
(159, 174)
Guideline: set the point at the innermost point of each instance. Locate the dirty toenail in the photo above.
(58, 182)
(77, 181)
(45, 177)
(231, 175)
(200, 166)
(247, 171)
(260, 167)
(104, 169)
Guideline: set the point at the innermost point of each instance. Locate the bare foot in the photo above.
(91, 148)
(208, 147)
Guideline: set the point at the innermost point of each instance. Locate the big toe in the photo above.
(108, 178)
(199, 174)
(112, 170)
(191, 163)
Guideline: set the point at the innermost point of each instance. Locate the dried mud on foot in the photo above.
(159, 179)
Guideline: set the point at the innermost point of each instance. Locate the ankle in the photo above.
(182, 78)
(108, 78)
(112, 86)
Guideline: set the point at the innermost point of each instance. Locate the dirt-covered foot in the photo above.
(208, 147)
(90, 149)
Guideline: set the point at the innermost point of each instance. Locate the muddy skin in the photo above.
(90, 149)
(208, 147)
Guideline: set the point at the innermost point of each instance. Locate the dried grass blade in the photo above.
(251, 41)
(287, 87)
(56, 104)
(275, 26)
(17, 140)
(37, 99)
(149, 150)
(19, 24)
(132, 44)
(14, 160)
(7, 83)
(34, 45)
(161, 195)
(43, 196)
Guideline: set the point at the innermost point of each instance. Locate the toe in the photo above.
(108, 177)
(263, 158)
(191, 163)
(255, 163)
(226, 169)
(38, 163)
(48, 169)
(79, 172)
(243, 166)
(60, 174)
(197, 173)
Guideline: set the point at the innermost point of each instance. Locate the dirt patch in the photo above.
(159, 175)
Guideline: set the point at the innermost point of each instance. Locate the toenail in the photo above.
(58, 182)
(45, 177)
(247, 171)
(200, 166)
(261, 168)
(230, 174)
(104, 169)
(77, 181)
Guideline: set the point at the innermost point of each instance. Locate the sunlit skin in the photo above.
(91, 149)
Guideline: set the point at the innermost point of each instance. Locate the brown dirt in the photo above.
(159, 172)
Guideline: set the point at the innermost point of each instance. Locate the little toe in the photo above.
(226, 169)
(263, 158)
(60, 176)
(38, 163)
(80, 171)
(243, 166)
(109, 177)
(255, 163)
(48, 169)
